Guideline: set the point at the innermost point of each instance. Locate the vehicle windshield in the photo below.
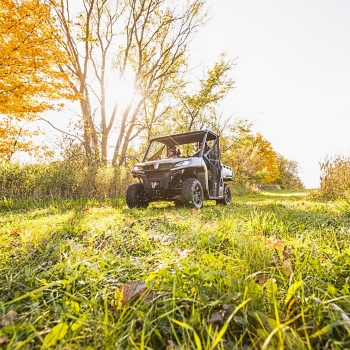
(158, 150)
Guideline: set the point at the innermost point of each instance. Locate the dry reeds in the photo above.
(335, 177)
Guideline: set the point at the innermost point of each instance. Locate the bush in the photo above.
(61, 180)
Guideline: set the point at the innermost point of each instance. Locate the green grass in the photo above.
(270, 271)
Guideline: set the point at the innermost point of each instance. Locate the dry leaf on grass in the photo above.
(3, 341)
(31, 249)
(276, 259)
(183, 253)
(287, 262)
(273, 242)
(262, 279)
(14, 232)
(221, 315)
(172, 346)
(134, 290)
(163, 239)
(168, 239)
(10, 318)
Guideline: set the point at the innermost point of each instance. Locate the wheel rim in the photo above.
(197, 195)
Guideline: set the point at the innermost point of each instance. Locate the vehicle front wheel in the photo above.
(192, 193)
(227, 197)
(136, 197)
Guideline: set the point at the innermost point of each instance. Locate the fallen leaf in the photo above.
(172, 346)
(32, 250)
(287, 265)
(220, 316)
(169, 239)
(276, 259)
(287, 253)
(10, 318)
(131, 291)
(163, 238)
(262, 279)
(273, 242)
(15, 232)
(183, 253)
(77, 247)
(134, 290)
(3, 341)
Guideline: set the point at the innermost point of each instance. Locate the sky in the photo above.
(292, 73)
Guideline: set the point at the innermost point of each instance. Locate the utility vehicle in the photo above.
(184, 168)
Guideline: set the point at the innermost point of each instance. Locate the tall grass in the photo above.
(60, 180)
(335, 178)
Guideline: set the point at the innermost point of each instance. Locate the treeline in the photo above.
(255, 162)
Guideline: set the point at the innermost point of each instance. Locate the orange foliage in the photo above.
(267, 160)
(30, 78)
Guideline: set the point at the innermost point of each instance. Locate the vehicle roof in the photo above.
(186, 137)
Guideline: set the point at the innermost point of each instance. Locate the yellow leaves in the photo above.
(29, 57)
(29, 74)
(12, 138)
(252, 157)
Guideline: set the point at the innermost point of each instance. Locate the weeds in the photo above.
(59, 180)
(335, 178)
(269, 271)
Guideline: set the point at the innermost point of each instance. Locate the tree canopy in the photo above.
(30, 79)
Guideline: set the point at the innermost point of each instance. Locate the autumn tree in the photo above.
(288, 173)
(251, 156)
(30, 80)
(139, 42)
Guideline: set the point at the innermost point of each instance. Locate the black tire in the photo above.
(226, 200)
(192, 193)
(135, 196)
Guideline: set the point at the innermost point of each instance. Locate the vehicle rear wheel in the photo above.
(226, 200)
(192, 193)
(136, 197)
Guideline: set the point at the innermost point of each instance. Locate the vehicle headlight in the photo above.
(183, 163)
(137, 168)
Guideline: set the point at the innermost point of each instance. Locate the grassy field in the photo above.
(270, 271)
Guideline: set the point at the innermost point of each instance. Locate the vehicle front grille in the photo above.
(151, 174)
(162, 166)
(165, 166)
